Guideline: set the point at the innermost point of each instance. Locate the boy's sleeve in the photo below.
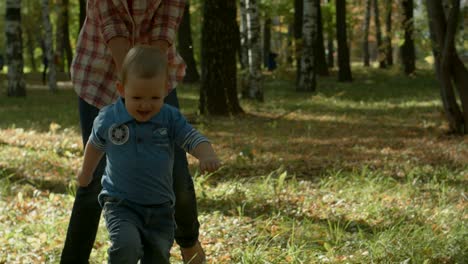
(184, 134)
(98, 137)
(167, 20)
(112, 18)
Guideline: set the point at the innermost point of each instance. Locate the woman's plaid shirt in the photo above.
(93, 70)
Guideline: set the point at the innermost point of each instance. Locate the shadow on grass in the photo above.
(370, 85)
(39, 109)
(230, 206)
(14, 176)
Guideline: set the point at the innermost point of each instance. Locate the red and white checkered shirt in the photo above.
(93, 69)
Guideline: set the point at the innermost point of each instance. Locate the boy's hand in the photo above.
(209, 164)
(83, 180)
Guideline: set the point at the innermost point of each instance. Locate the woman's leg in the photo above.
(186, 214)
(86, 210)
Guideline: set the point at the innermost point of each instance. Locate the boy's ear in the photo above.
(121, 89)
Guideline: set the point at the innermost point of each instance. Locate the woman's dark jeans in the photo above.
(86, 211)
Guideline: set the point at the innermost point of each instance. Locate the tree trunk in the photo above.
(30, 49)
(218, 91)
(344, 68)
(14, 49)
(451, 62)
(307, 81)
(252, 88)
(378, 32)
(239, 48)
(290, 47)
(58, 56)
(82, 13)
(66, 35)
(407, 49)
(320, 60)
(298, 13)
(331, 50)
(185, 47)
(365, 42)
(330, 38)
(266, 41)
(52, 76)
(388, 33)
(449, 69)
(244, 58)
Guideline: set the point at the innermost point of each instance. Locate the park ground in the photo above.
(363, 172)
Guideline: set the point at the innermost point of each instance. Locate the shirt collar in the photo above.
(156, 119)
(122, 116)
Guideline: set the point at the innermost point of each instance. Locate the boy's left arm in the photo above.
(194, 143)
(207, 157)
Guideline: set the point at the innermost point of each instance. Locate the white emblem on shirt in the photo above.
(162, 131)
(118, 134)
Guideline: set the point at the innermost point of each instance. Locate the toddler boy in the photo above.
(138, 134)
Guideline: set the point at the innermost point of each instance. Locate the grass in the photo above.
(354, 173)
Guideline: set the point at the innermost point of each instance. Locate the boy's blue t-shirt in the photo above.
(140, 156)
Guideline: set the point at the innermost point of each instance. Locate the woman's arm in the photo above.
(166, 21)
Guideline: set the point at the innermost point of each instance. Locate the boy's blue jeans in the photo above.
(86, 210)
(139, 232)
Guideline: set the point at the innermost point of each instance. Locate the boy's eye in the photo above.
(136, 97)
(155, 97)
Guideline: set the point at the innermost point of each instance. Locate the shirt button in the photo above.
(139, 140)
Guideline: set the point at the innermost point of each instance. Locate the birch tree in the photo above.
(243, 51)
(52, 76)
(14, 47)
(328, 18)
(252, 86)
(378, 35)
(307, 79)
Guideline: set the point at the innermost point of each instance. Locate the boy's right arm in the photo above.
(91, 159)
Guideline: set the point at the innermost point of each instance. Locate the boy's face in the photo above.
(143, 97)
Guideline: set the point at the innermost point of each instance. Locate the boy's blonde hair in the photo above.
(144, 61)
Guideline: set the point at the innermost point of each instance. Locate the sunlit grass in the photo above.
(354, 173)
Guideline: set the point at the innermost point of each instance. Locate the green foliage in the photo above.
(328, 18)
(269, 8)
